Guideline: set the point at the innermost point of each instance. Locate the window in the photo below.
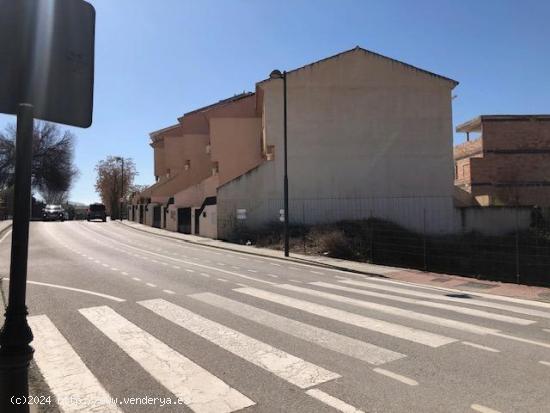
(187, 165)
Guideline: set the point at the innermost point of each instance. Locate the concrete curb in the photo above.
(259, 253)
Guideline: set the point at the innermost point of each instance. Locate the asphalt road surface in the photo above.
(126, 321)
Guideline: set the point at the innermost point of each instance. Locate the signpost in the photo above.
(46, 72)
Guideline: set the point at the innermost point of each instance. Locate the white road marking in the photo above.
(5, 235)
(189, 270)
(546, 329)
(90, 258)
(105, 265)
(150, 285)
(482, 409)
(163, 263)
(383, 327)
(462, 310)
(296, 281)
(124, 273)
(175, 267)
(479, 346)
(284, 365)
(396, 311)
(169, 291)
(546, 363)
(205, 275)
(332, 401)
(64, 371)
(396, 376)
(468, 301)
(317, 272)
(454, 290)
(272, 275)
(221, 264)
(235, 267)
(78, 290)
(251, 270)
(522, 340)
(136, 279)
(114, 269)
(345, 345)
(274, 263)
(191, 263)
(200, 390)
(222, 279)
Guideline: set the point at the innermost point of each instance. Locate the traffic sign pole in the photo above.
(16, 336)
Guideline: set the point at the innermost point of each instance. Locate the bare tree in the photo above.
(53, 169)
(109, 182)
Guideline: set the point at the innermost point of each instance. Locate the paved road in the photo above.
(119, 313)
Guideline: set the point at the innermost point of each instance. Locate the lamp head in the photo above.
(276, 74)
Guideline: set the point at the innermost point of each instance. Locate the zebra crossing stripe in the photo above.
(201, 391)
(69, 379)
(284, 365)
(336, 342)
(396, 311)
(396, 330)
(457, 309)
(332, 401)
(469, 301)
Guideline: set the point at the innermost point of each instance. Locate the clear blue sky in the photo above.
(156, 59)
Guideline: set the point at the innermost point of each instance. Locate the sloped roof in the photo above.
(475, 124)
(219, 103)
(358, 48)
(163, 130)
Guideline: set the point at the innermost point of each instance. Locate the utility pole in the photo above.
(122, 189)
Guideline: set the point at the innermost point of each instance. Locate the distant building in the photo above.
(505, 160)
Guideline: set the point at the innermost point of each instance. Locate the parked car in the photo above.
(96, 211)
(53, 213)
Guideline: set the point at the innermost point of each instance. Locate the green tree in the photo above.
(111, 186)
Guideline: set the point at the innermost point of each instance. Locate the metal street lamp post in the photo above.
(16, 335)
(276, 74)
(121, 159)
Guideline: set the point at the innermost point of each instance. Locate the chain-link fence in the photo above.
(499, 243)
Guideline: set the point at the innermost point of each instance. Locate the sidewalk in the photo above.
(395, 273)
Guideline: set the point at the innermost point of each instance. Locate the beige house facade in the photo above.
(367, 136)
(208, 146)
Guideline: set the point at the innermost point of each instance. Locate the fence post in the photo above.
(371, 227)
(517, 247)
(304, 229)
(424, 241)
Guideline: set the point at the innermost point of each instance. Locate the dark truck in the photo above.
(96, 211)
